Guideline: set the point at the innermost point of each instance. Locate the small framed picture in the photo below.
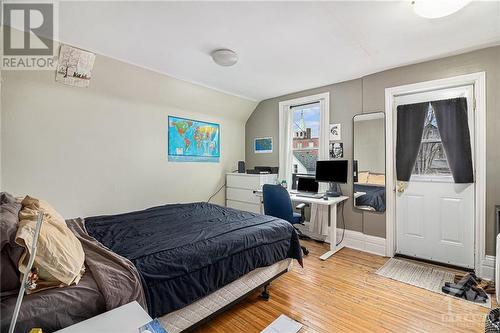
(336, 149)
(335, 134)
(263, 145)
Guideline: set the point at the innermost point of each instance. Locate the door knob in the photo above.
(401, 187)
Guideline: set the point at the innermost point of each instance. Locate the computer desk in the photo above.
(332, 203)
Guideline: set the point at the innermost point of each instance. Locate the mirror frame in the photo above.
(353, 159)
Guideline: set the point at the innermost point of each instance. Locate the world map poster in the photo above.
(193, 141)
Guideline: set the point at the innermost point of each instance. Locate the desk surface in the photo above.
(319, 201)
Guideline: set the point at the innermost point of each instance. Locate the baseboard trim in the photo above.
(376, 245)
(353, 239)
(359, 241)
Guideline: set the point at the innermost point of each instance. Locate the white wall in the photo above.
(103, 149)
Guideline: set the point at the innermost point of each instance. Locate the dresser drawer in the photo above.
(249, 182)
(240, 194)
(248, 207)
(243, 181)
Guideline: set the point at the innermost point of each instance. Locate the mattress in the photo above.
(184, 252)
(192, 314)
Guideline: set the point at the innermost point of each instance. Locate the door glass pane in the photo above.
(431, 160)
(306, 124)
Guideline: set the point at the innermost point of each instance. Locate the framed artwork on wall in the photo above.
(263, 145)
(335, 132)
(336, 149)
(75, 66)
(193, 140)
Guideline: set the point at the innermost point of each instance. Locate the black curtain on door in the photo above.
(410, 127)
(453, 126)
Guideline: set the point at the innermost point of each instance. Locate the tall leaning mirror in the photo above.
(369, 161)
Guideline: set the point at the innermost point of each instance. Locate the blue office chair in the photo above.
(277, 203)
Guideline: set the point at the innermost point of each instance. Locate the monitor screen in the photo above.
(334, 171)
(307, 184)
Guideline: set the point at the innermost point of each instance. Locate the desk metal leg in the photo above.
(333, 234)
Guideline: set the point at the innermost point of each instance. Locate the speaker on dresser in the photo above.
(241, 167)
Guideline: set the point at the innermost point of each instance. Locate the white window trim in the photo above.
(285, 141)
(478, 80)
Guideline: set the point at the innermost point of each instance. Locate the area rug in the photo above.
(420, 275)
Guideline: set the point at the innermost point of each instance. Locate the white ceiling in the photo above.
(283, 47)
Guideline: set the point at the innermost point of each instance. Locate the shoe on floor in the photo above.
(475, 294)
(467, 280)
(458, 292)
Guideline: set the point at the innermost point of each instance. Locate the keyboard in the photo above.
(309, 195)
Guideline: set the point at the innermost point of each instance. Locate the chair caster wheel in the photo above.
(306, 252)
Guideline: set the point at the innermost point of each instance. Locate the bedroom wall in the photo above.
(103, 149)
(345, 102)
(367, 95)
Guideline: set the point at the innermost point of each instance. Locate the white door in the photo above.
(435, 216)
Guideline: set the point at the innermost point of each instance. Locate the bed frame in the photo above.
(175, 322)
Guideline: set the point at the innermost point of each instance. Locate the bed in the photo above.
(182, 262)
(373, 197)
(109, 281)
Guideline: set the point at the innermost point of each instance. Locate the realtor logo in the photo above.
(28, 36)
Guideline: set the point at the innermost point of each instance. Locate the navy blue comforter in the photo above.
(184, 252)
(374, 197)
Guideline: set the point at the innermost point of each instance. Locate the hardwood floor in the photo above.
(343, 294)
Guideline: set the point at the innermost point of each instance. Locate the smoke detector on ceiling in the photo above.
(224, 57)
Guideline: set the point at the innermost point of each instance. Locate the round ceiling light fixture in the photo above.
(437, 8)
(224, 57)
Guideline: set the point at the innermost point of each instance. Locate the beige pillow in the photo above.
(59, 257)
(376, 179)
(362, 177)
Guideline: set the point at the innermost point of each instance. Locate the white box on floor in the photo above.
(124, 319)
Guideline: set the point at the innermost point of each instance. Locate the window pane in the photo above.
(306, 124)
(431, 159)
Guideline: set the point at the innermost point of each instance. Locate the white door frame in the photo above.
(478, 80)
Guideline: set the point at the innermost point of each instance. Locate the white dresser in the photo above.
(240, 187)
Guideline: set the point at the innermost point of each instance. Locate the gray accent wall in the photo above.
(345, 97)
(367, 94)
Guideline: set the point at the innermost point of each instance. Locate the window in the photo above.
(431, 160)
(303, 132)
(305, 139)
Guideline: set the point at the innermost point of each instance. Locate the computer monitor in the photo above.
(307, 184)
(333, 172)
